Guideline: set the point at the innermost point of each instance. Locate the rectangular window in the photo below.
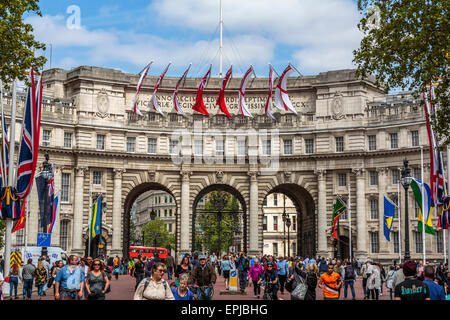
(395, 200)
(241, 148)
(309, 146)
(46, 138)
(275, 223)
(418, 240)
(198, 147)
(65, 187)
(294, 223)
(394, 140)
(396, 242)
(265, 202)
(417, 173)
(173, 147)
(339, 144)
(165, 212)
(100, 142)
(170, 227)
(374, 209)
(266, 147)
(395, 176)
(342, 179)
(440, 241)
(415, 138)
(170, 212)
(373, 175)
(64, 234)
(372, 143)
(152, 143)
(275, 249)
(20, 237)
(374, 243)
(68, 140)
(416, 209)
(220, 147)
(265, 223)
(131, 144)
(288, 146)
(97, 177)
(275, 200)
(173, 117)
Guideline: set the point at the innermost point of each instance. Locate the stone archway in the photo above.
(232, 191)
(306, 217)
(129, 200)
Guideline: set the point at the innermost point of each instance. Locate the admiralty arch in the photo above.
(348, 135)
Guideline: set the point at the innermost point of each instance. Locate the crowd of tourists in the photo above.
(195, 276)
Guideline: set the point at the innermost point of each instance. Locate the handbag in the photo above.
(50, 282)
(7, 279)
(289, 286)
(301, 288)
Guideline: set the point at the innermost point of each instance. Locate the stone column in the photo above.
(362, 250)
(382, 177)
(254, 236)
(77, 223)
(322, 214)
(58, 186)
(117, 213)
(185, 212)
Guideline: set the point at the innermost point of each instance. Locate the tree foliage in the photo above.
(164, 240)
(210, 226)
(17, 45)
(406, 45)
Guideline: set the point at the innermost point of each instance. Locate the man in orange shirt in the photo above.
(331, 283)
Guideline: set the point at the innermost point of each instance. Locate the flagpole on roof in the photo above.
(274, 70)
(399, 219)
(423, 203)
(221, 42)
(349, 221)
(292, 66)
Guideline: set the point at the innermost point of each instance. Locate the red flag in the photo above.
(20, 224)
(199, 105)
(221, 101)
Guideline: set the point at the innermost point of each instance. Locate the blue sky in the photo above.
(316, 36)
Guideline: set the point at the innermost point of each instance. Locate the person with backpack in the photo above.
(138, 271)
(349, 279)
(154, 287)
(322, 266)
(243, 266)
(97, 282)
(203, 275)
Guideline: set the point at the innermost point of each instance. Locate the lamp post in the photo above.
(284, 218)
(219, 201)
(47, 174)
(406, 181)
(157, 235)
(288, 224)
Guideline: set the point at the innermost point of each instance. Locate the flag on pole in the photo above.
(269, 97)
(20, 224)
(199, 105)
(389, 209)
(138, 89)
(153, 99)
(425, 199)
(176, 105)
(338, 210)
(444, 214)
(55, 212)
(242, 106)
(4, 149)
(221, 100)
(40, 187)
(282, 100)
(96, 218)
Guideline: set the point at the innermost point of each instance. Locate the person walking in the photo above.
(243, 266)
(182, 292)
(309, 275)
(14, 280)
(270, 277)
(382, 277)
(138, 271)
(226, 267)
(40, 278)
(2, 281)
(436, 291)
(411, 288)
(349, 277)
(130, 266)
(389, 280)
(331, 283)
(283, 268)
(154, 287)
(28, 273)
(58, 266)
(69, 282)
(170, 264)
(204, 276)
(97, 282)
(374, 283)
(398, 277)
(255, 274)
(322, 266)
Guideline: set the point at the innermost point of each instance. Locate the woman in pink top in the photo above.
(255, 273)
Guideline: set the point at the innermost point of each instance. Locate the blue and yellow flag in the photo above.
(96, 223)
(389, 209)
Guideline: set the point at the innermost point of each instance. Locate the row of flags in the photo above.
(282, 100)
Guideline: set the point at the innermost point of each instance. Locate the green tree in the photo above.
(17, 45)
(209, 224)
(406, 45)
(164, 240)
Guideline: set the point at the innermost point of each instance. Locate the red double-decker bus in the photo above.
(135, 251)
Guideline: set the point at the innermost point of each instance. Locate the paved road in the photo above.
(123, 289)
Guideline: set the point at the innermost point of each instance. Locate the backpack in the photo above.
(147, 282)
(247, 264)
(349, 273)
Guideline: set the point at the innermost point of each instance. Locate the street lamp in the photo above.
(219, 201)
(157, 235)
(406, 181)
(47, 174)
(284, 217)
(288, 224)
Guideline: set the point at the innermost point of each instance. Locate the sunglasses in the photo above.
(96, 264)
(160, 270)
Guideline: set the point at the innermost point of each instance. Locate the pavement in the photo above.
(123, 289)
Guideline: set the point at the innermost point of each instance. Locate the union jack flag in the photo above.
(29, 144)
(175, 94)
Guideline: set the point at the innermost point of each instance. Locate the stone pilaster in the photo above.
(361, 219)
(185, 211)
(77, 223)
(322, 214)
(117, 210)
(254, 244)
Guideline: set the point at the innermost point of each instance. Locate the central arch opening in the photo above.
(219, 220)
